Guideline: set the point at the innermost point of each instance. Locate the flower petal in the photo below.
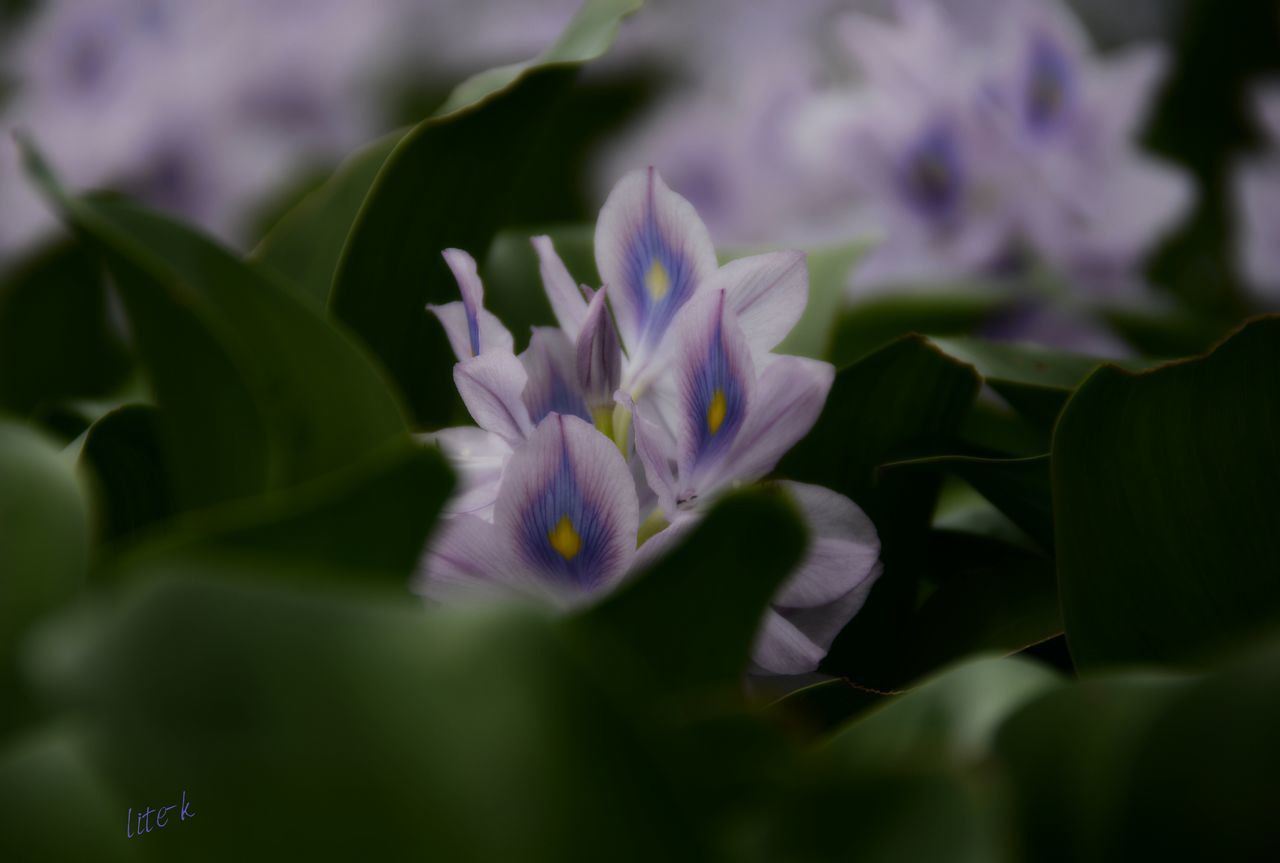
(453, 317)
(568, 506)
(715, 377)
(599, 354)
(657, 452)
(491, 386)
(652, 252)
(466, 559)
(478, 458)
(781, 648)
(788, 398)
(768, 294)
(844, 548)
(553, 379)
(566, 298)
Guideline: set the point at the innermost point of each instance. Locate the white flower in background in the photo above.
(1257, 189)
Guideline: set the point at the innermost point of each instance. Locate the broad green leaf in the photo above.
(304, 246)
(124, 453)
(871, 323)
(367, 523)
(906, 400)
(447, 184)
(56, 340)
(44, 530)
(1165, 492)
(692, 616)
(1034, 380)
(1020, 487)
(256, 388)
(461, 735)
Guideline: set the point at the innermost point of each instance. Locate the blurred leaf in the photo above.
(1069, 755)
(44, 530)
(367, 523)
(305, 244)
(255, 388)
(56, 339)
(873, 322)
(906, 400)
(829, 270)
(124, 450)
(1036, 381)
(693, 615)
(468, 735)
(1018, 487)
(447, 184)
(1165, 490)
(54, 807)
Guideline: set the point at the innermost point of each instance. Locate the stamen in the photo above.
(564, 539)
(657, 281)
(716, 411)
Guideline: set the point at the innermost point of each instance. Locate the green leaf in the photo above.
(305, 245)
(828, 284)
(694, 614)
(256, 388)
(906, 400)
(44, 530)
(1019, 487)
(1034, 380)
(1165, 490)
(870, 324)
(368, 523)
(124, 452)
(56, 341)
(447, 184)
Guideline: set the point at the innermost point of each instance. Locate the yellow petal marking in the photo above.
(565, 539)
(716, 411)
(657, 281)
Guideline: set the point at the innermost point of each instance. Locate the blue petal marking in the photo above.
(562, 497)
(932, 174)
(714, 373)
(1050, 85)
(561, 397)
(651, 244)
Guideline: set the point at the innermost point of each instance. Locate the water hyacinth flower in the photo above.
(1257, 190)
(978, 150)
(663, 381)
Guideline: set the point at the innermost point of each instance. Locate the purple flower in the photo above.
(1257, 188)
(679, 401)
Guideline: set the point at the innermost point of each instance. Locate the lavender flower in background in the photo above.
(206, 109)
(976, 150)
(683, 397)
(1257, 189)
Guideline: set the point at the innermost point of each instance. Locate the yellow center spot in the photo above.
(565, 539)
(657, 281)
(716, 411)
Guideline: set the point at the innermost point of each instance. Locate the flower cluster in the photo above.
(979, 150)
(605, 440)
(1258, 201)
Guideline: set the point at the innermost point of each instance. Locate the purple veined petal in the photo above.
(788, 398)
(781, 648)
(464, 270)
(657, 452)
(653, 251)
(492, 387)
(478, 458)
(466, 559)
(568, 507)
(844, 548)
(715, 377)
(493, 335)
(566, 298)
(599, 354)
(553, 377)
(767, 293)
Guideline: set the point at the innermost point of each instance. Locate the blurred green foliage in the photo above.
(203, 574)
